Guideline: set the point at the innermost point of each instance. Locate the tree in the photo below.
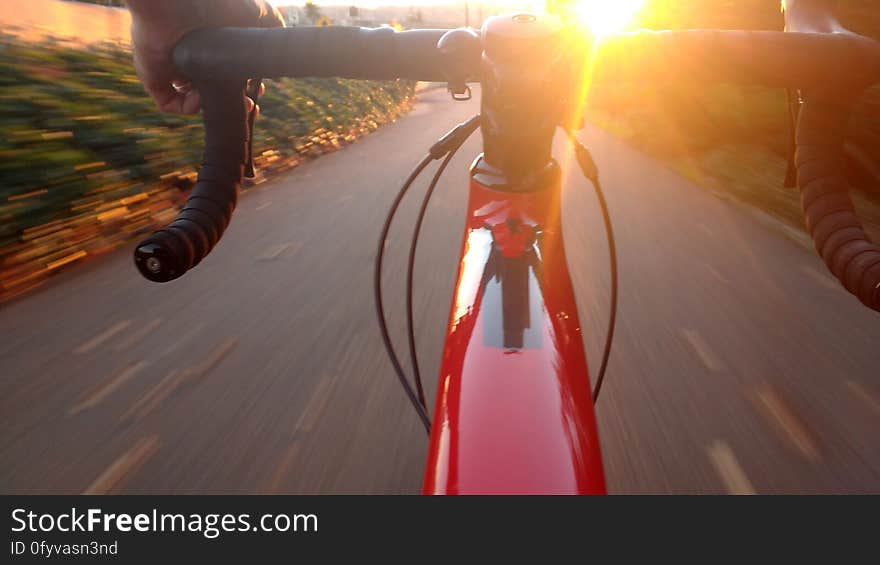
(313, 12)
(324, 21)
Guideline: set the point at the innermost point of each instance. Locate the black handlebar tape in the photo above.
(183, 243)
(831, 219)
(333, 51)
(821, 134)
(768, 58)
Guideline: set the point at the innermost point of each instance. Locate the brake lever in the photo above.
(252, 91)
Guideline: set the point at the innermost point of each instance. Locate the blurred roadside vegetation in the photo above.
(736, 139)
(87, 162)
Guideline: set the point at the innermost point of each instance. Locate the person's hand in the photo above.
(157, 25)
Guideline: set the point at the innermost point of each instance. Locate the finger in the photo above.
(192, 103)
(166, 98)
(182, 87)
(169, 100)
(160, 83)
(190, 100)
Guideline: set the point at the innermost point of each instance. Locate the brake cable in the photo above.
(446, 146)
(591, 172)
(461, 133)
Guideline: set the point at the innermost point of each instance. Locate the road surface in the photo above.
(739, 366)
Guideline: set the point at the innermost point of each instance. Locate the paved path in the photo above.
(739, 365)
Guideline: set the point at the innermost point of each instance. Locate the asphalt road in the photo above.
(739, 366)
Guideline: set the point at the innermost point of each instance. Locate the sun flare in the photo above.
(605, 17)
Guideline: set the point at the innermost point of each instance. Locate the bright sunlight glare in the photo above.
(605, 17)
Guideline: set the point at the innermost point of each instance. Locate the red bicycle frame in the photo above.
(514, 413)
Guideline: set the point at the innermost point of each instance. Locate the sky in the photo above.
(512, 4)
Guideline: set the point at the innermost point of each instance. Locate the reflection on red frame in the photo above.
(514, 414)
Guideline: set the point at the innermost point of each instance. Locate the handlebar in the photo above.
(768, 58)
(837, 233)
(333, 51)
(173, 250)
(219, 61)
(828, 67)
(762, 58)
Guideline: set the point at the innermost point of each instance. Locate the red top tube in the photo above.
(514, 413)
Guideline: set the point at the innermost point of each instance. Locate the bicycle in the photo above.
(514, 411)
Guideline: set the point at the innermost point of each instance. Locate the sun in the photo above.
(605, 17)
